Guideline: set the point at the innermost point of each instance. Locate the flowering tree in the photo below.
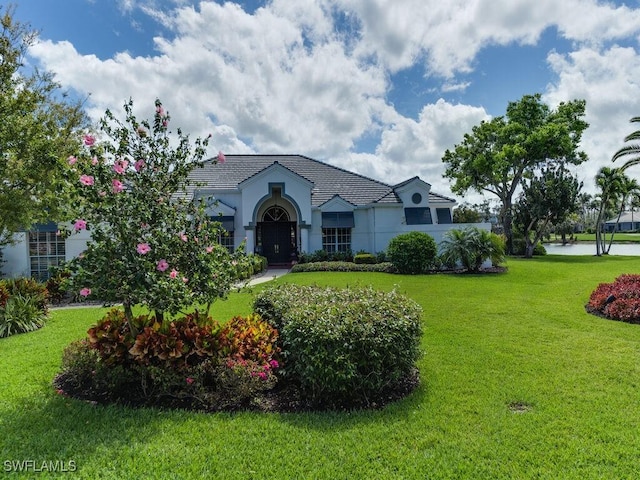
(151, 244)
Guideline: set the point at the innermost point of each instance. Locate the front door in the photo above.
(277, 241)
(277, 235)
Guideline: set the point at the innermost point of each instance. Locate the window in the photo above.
(336, 239)
(416, 198)
(226, 238)
(444, 215)
(46, 250)
(418, 216)
(336, 231)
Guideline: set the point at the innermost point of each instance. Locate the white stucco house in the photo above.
(281, 204)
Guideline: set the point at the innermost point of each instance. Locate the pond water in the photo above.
(590, 249)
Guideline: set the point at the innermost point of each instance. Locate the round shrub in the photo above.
(412, 252)
(343, 346)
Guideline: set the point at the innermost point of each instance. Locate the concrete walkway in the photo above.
(268, 274)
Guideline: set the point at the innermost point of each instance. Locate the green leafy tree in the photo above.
(498, 154)
(470, 247)
(38, 130)
(150, 244)
(466, 213)
(546, 199)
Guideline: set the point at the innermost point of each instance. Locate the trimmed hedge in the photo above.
(343, 346)
(385, 267)
(413, 252)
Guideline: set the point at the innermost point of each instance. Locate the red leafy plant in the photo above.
(188, 362)
(619, 300)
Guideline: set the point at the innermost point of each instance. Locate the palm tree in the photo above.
(628, 187)
(609, 180)
(471, 247)
(630, 150)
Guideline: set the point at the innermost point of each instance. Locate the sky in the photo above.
(379, 87)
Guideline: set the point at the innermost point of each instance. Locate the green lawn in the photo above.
(518, 382)
(617, 237)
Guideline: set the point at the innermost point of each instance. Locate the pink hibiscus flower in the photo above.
(117, 186)
(89, 140)
(85, 292)
(139, 165)
(86, 180)
(162, 265)
(79, 225)
(143, 248)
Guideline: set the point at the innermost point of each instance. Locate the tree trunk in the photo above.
(128, 315)
(617, 223)
(507, 221)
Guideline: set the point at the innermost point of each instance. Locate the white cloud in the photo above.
(289, 79)
(608, 81)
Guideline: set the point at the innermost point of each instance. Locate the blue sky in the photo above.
(380, 87)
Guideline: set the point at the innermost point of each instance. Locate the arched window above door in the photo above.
(275, 214)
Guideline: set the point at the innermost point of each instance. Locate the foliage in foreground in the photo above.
(343, 346)
(619, 300)
(191, 362)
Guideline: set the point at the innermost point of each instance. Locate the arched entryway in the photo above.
(277, 235)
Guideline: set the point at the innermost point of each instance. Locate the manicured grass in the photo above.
(617, 238)
(518, 381)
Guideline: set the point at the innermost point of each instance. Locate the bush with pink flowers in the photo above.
(150, 243)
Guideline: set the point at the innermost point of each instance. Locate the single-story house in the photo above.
(628, 222)
(281, 205)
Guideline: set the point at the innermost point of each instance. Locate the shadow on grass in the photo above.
(396, 413)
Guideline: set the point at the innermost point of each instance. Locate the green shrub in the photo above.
(29, 288)
(342, 346)
(57, 285)
(519, 247)
(470, 247)
(4, 294)
(412, 252)
(324, 256)
(386, 267)
(365, 258)
(20, 314)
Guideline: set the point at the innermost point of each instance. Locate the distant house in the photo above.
(629, 222)
(281, 205)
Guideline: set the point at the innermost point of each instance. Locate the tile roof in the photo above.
(327, 180)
